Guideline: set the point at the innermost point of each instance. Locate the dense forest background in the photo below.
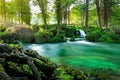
(60, 19)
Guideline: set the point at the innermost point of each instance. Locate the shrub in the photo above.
(25, 38)
(43, 36)
(2, 28)
(69, 31)
(72, 38)
(7, 37)
(58, 38)
(105, 38)
(94, 35)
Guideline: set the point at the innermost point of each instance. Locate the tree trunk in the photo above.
(105, 14)
(87, 14)
(68, 14)
(21, 11)
(98, 13)
(58, 15)
(65, 15)
(44, 14)
(4, 8)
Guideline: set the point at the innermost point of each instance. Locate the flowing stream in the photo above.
(81, 54)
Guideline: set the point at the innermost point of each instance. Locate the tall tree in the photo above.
(43, 7)
(58, 10)
(19, 8)
(108, 4)
(25, 12)
(87, 14)
(105, 14)
(66, 10)
(97, 2)
(4, 7)
(1, 9)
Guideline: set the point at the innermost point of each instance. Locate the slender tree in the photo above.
(87, 14)
(97, 2)
(105, 14)
(43, 7)
(58, 5)
(22, 10)
(25, 12)
(66, 10)
(1, 9)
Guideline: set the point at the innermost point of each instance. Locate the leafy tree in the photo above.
(23, 11)
(97, 2)
(26, 17)
(3, 9)
(43, 7)
(87, 14)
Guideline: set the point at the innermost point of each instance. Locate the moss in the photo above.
(1, 68)
(38, 61)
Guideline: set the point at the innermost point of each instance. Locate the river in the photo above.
(81, 54)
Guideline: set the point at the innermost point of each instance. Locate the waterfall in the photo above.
(68, 39)
(82, 34)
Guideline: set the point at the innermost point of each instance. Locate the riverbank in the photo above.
(40, 35)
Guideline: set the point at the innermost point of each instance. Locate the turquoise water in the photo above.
(81, 54)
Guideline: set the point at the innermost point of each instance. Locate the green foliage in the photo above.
(61, 74)
(58, 38)
(78, 75)
(42, 36)
(26, 68)
(2, 28)
(94, 35)
(110, 37)
(72, 38)
(26, 14)
(69, 31)
(46, 36)
(116, 16)
(23, 10)
(102, 36)
(107, 37)
(7, 37)
(25, 38)
(38, 61)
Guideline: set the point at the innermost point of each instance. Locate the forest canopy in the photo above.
(99, 12)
